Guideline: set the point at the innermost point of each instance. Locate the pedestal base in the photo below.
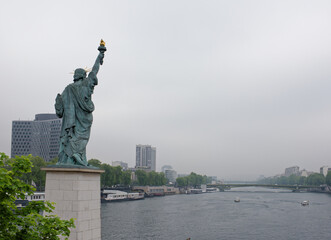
(76, 192)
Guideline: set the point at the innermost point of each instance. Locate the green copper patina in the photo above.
(75, 107)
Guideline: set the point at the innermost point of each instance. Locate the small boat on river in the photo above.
(305, 203)
(237, 199)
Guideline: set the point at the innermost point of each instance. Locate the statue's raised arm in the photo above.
(99, 61)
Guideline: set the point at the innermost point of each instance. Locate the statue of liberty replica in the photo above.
(75, 107)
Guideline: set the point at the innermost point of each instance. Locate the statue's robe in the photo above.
(75, 106)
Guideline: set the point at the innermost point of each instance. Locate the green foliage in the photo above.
(293, 179)
(283, 180)
(112, 175)
(116, 176)
(162, 180)
(316, 179)
(302, 180)
(142, 177)
(182, 181)
(106, 177)
(150, 178)
(25, 223)
(207, 180)
(126, 178)
(36, 177)
(94, 162)
(328, 178)
(53, 161)
(192, 180)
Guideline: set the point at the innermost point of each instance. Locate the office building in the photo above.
(120, 163)
(324, 170)
(292, 171)
(40, 137)
(146, 157)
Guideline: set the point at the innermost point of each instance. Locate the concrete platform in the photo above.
(76, 192)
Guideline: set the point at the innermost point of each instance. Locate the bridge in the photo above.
(224, 186)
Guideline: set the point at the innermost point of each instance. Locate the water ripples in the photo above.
(259, 215)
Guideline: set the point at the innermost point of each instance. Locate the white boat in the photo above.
(116, 196)
(195, 191)
(37, 196)
(305, 203)
(237, 199)
(136, 196)
(212, 190)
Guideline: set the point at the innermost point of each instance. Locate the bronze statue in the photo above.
(75, 107)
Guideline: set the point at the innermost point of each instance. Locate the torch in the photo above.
(102, 48)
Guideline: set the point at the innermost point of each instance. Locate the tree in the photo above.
(316, 179)
(302, 180)
(117, 171)
(328, 178)
(94, 162)
(53, 161)
(181, 182)
(152, 178)
(25, 223)
(112, 175)
(293, 179)
(36, 177)
(142, 177)
(207, 180)
(106, 177)
(192, 180)
(162, 180)
(126, 178)
(282, 180)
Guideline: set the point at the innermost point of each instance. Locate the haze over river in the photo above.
(261, 214)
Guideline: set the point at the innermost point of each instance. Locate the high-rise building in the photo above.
(292, 171)
(40, 137)
(146, 157)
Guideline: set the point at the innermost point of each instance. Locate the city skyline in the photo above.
(234, 89)
(44, 122)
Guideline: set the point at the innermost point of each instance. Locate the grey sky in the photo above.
(227, 88)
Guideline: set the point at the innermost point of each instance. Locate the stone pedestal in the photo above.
(76, 192)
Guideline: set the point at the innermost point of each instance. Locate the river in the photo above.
(260, 214)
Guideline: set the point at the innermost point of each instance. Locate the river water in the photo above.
(261, 214)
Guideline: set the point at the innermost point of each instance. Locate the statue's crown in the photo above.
(86, 69)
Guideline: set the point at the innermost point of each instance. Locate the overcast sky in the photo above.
(233, 89)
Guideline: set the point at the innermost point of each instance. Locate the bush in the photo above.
(27, 222)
